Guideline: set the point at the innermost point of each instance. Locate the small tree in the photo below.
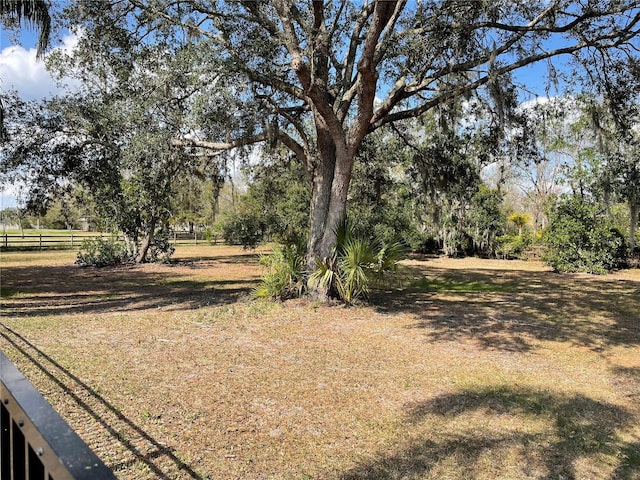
(520, 219)
(580, 238)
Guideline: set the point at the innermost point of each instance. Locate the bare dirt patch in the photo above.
(467, 369)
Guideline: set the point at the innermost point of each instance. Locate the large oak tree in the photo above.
(319, 76)
(329, 73)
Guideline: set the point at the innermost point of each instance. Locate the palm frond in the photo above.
(33, 13)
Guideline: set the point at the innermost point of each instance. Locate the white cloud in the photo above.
(19, 70)
(531, 104)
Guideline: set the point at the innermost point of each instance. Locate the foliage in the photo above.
(213, 232)
(15, 216)
(279, 189)
(520, 220)
(168, 86)
(318, 77)
(245, 227)
(606, 166)
(470, 226)
(514, 246)
(31, 13)
(445, 159)
(284, 276)
(541, 141)
(115, 142)
(275, 207)
(196, 198)
(580, 238)
(423, 242)
(485, 220)
(102, 252)
(161, 249)
(382, 201)
(353, 265)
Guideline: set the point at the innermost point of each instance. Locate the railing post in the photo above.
(40, 241)
(6, 241)
(35, 442)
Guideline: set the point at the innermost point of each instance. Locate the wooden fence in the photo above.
(74, 240)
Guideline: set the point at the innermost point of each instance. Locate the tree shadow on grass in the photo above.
(512, 310)
(69, 289)
(576, 428)
(132, 444)
(244, 258)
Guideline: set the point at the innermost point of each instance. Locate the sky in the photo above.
(21, 71)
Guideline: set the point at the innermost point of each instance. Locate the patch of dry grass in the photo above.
(470, 369)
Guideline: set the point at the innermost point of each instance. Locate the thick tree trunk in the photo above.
(329, 198)
(330, 186)
(322, 181)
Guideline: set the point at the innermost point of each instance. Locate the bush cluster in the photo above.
(354, 264)
(244, 228)
(284, 276)
(514, 246)
(347, 274)
(581, 239)
(102, 252)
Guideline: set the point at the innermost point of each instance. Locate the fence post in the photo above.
(175, 238)
(195, 236)
(6, 241)
(72, 240)
(40, 241)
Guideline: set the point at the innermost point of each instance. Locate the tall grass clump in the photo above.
(284, 275)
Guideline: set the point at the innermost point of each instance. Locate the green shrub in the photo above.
(212, 232)
(244, 228)
(353, 265)
(420, 242)
(284, 276)
(101, 252)
(514, 246)
(161, 249)
(580, 239)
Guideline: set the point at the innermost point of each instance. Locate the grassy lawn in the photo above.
(467, 369)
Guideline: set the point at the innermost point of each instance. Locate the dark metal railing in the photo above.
(35, 442)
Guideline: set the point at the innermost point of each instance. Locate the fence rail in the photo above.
(74, 240)
(35, 442)
(29, 242)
